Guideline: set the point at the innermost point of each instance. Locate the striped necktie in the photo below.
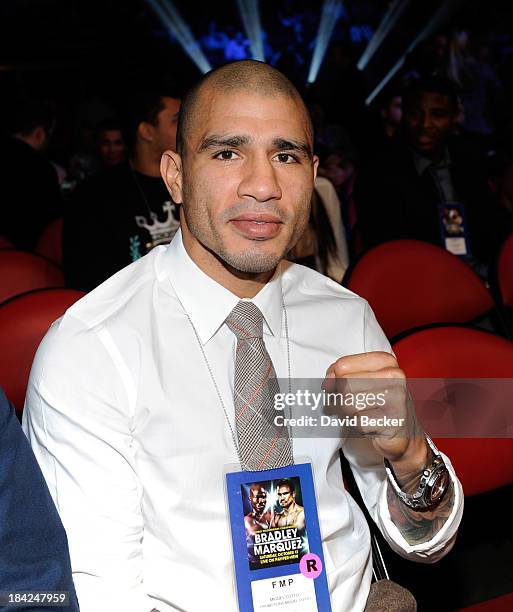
(262, 444)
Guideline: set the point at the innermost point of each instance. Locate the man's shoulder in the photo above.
(302, 285)
(85, 341)
(120, 296)
(326, 314)
(17, 156)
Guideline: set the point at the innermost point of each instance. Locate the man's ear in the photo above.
(171, 170)
(145, 131)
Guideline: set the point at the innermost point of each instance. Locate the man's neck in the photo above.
(145, 162)
(434, 156)
(242, 284)
(290, 509)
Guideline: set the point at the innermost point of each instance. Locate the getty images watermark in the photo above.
(445, 408)
(315, 401)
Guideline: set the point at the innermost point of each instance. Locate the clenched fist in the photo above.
(390, 423)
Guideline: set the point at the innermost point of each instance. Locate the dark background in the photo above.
(85, 54)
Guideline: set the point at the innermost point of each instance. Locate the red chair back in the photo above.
(49, 244)
(505, 272)
(504, 603)
(24, 320)
(21, 272)
(458, 352)
(409, 283)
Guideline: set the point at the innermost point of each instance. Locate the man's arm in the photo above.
(421, 536)
(78, 420)
(33, 547)
(403, 445)
(418, 527)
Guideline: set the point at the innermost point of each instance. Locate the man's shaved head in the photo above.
(243, 171)
(242, 76)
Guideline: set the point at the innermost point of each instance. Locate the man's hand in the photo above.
(404, 444)
(392, 427)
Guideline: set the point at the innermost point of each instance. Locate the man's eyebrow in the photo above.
(211, 142)
(293, 145)
(282, 144)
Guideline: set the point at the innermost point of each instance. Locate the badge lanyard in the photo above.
(286, 562)
(212, 377)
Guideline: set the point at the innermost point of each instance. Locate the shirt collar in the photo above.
(207, 302)
(423, 163)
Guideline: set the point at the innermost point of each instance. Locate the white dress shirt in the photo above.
(129, 431)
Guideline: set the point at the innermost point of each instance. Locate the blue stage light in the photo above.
(331, 11)
(250, 14)
(387, 23)
(174, 22)
(441, 15)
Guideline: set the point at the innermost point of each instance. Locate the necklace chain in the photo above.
(214, 382)
(140, 189)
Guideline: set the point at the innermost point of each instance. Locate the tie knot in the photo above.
(246, 321)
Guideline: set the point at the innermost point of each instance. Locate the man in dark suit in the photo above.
(425, 177)
(33, 545)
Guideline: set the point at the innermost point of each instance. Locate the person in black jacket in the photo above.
(34, 552)
(427, 186)
(120, 214)
(30, 194)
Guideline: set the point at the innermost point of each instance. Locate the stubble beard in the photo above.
(251, 260)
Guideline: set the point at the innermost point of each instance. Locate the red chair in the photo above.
(49, 244)
(505, 272)
(21, 272)
(409, 283)
(24, 320)
(459, 352)
(498, 604)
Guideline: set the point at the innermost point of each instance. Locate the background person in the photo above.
(27, 206)
(34, 552)
(398, 194)
(122, 213)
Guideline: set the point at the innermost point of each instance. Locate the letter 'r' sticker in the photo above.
(277, 548)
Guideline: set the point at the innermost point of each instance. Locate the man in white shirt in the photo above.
(130, 407)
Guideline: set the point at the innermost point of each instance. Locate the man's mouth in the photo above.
(425, 139)
(257, 226)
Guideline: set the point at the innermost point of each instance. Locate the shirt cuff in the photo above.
(435, 548)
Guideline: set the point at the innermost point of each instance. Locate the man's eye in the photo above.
(286, 158)
(225, 155)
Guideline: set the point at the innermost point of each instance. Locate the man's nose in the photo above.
(259, 180)
(426, 121)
